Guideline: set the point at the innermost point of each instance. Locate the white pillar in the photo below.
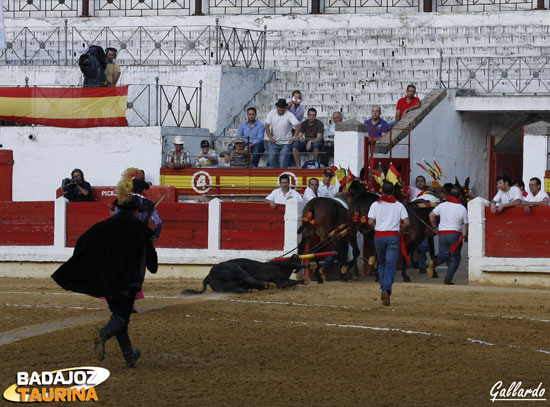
(214, 224)
(535, 151)
(293, 220)
(60, 222)
(476, 237)
(349, 146)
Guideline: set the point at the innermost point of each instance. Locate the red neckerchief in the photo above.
(524, 194)
(387, 198)
(452, 199)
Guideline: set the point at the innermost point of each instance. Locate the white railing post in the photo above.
(293, 220)
(214, 224)
(476, 237)
(60, 222)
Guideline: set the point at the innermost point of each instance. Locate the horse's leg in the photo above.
(410, 247)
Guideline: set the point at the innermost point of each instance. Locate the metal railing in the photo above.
(484, 5)
(143, 8)
(519, 74)
(185, 45)
(158, 105)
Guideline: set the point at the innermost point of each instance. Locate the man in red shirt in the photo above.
(406, 104)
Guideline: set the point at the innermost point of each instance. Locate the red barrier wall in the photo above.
(248, 226)
(81, 216)
(184, 225)
(513, 233)
(26, 223)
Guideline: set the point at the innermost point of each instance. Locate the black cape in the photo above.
(110, 258)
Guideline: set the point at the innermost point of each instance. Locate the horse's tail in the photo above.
(205, 282)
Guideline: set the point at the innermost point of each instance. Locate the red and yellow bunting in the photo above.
(65, 107)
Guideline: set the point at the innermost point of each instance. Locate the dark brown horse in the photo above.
(321, 216)
(420, 228)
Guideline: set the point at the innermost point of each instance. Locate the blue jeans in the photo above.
(279, 155)
(387, 248)
(257, 151)
(423, 248)
(301, 145)
(445, 243)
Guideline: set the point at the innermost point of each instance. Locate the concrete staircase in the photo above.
(352, 69)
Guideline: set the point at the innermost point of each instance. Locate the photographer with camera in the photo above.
(76, 189)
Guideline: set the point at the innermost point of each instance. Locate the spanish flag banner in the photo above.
(65, 107)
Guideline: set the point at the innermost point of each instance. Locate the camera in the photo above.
(69, 187)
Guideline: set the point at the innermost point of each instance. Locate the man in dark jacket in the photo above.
(109, 261)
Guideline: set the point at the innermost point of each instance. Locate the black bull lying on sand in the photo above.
(243, 275)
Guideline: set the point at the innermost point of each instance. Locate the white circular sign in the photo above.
(201, 182)
(292, 176)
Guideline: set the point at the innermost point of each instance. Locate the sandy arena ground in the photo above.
(317, 345)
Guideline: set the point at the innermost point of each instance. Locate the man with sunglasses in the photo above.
(326, 189)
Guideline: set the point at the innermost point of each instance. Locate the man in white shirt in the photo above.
(278, 130)
(453, 217)
(328, 149)
(418, 188)
(507, 196)
(385, 217)
(281, 195)
(326, 189)
(537, 197)
(311, 190)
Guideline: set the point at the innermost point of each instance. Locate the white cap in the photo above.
(178, 140)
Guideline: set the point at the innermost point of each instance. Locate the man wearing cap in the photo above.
(326, 189)
(252, 131)
(453, 217)
(178, 158)
(207, 158)
(311, 190)
(385, 217)
(278, 129)
(238, 156)
(281, 195)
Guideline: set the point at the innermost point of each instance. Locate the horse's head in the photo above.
(465, 197)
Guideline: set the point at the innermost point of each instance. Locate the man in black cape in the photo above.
(109, 260)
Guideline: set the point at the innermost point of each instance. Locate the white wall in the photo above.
(225, 89)
(102, 153)
(535, 156)
(458, 141)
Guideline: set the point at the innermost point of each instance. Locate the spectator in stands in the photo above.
(311, 190)
(376, 124)
(326, 189)
(112, 70)
(521, 185)
(207, 158)
(76, 189)
(294, 106)
(148, 210)
(278, 129)
(281, 195)
(328, 148)
(252, 131)
(310, 137)
(418, 188)
(178, 158)
(537, 197)
(406, 104)
(237, 156)
(507, 196)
